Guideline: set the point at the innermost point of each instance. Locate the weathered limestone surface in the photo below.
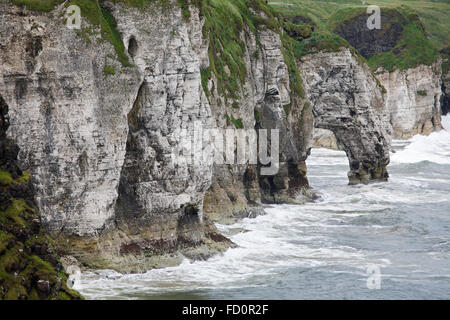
(238, 190)
(413, 99)
(347, 100)
(99, 144)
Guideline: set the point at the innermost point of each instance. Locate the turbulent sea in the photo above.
(323, 250)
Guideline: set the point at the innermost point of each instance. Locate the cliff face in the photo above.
(69, 117)
(100, 142)
(406, 64)
(29, 266)
(265, 101)
(413, 99)
(367, 41)
(347, 101)
(99, 121)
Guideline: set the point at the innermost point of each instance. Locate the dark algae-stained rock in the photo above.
(29, 266)
(371, 41)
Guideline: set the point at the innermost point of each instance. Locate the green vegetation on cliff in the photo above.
(434, 14)
(227, 27)
(425, 32)
(227, 24)
(413, 49)
(29, 265)
(422, 26)
(100, 16)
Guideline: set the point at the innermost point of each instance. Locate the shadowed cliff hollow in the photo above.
(29, 265)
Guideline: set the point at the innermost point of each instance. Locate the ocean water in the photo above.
(324, 250)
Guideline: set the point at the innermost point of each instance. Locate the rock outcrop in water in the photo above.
(347, 100)
(265, 101)
(29, 265)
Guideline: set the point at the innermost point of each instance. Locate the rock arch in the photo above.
(347, 100)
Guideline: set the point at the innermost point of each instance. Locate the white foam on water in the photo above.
(434, 148)
(273, 241)
(327, 157)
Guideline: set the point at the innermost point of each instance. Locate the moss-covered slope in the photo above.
(401, 43)
(411, 32)
(29, 266)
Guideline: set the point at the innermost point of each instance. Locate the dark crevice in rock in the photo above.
(20, 88)
(33, 49)
(128, 208)
(132, 46)
(4, 118)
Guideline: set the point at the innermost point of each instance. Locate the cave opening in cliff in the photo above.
(132, 46)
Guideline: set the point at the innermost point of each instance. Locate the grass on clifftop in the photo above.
(38, 5)
(433, 13)
(415, 46)
(226, 22)
(95, 14)
(414, 49)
